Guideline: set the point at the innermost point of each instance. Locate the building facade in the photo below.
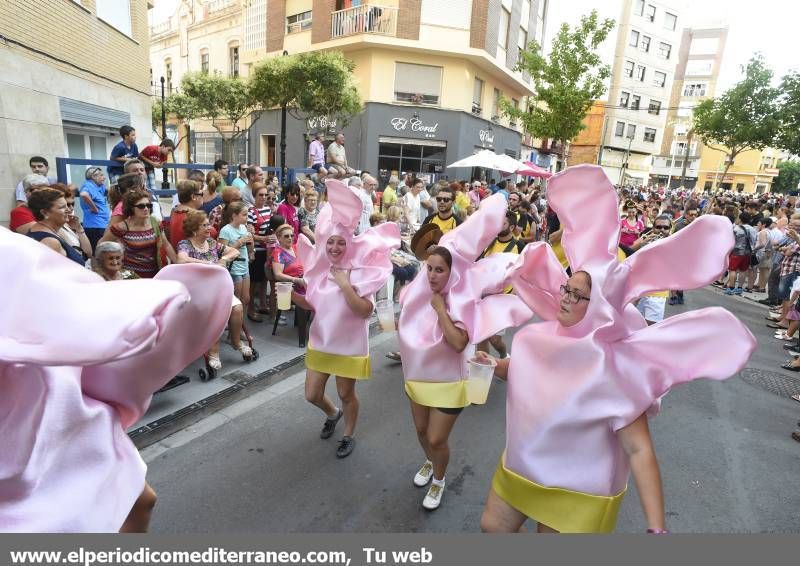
(585, 148)
(67, 89)
(430, 73)
(647, 39)
(751, 171)
(696, 75)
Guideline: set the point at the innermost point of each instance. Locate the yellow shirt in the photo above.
(389, 196)
(498, 247)
(444, 225)
(462, 201)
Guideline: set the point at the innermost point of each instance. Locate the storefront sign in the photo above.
(320, 122)
(486, 137)
(414, 125)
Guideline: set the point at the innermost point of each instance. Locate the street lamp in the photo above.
(164, 182)
(627, 156)
(284, 170)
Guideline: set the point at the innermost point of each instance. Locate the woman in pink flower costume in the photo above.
(343, 273)
(451, 305)
(79, 360)
(581, 384)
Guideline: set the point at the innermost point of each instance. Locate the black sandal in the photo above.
(790, 367)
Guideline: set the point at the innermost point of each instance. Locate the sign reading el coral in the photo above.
(414, 125)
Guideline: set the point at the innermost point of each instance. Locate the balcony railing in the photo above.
(219, 5)
(163, 27)
(367, 18)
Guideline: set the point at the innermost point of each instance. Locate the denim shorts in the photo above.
(237, 278)
(785, 286)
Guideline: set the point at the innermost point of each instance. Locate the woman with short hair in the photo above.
(308, 213)
(107, 262)
(94, 203)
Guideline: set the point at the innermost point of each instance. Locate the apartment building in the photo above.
(699, 62)
(430, 72)
(206, 37)
(751, 172)
(647, 40)
(74, 71)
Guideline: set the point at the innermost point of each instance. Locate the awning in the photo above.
(412, 141)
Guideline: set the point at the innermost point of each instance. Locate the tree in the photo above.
(180, 109)
(566, 83)
(788, 177)
(789, 113)
(307, 84)
(744, 118)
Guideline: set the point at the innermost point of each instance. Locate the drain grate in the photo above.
(774, 382)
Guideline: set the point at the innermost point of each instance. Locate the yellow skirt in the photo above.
(562, 509)
(353, 367)
(443, 394)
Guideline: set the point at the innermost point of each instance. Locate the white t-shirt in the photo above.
(412, 203)
(366, 209)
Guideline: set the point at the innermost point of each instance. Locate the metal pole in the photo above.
(164, 182)
(603, 140)
(686, 159)
(625, 162)
(284, 170)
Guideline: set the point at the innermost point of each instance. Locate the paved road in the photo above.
(728, 462)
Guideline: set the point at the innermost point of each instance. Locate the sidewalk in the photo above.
(275, 353)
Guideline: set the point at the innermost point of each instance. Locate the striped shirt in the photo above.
(140, 250)
(259, 218)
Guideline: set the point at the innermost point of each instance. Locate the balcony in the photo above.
(163, 27)
(367, 18)
(215, 6)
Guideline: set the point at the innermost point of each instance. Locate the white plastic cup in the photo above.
(479, 380)
(385, 309)
(284, 292)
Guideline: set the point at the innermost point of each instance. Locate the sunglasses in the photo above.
(149, 206)
(443, 199)
(660, 227)
(70, 205)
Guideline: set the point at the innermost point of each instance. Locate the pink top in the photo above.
(74, 379)
(571, 389)
(474, 296)
(629, 233)
(336, 329)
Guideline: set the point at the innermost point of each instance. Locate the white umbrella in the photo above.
(490, 160)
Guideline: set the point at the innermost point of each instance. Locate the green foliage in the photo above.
(309, 84)
(218, 97)
(566, 83)
(789, 113)
(788, 178)
(744, 117)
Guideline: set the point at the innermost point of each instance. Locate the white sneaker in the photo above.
(424, 475)
(434, 497)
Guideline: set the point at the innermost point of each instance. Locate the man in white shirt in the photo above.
(413, 201)
(357, 186)
(39, 166)
(337, 158)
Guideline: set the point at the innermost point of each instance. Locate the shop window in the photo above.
(298, 22)
(404, 157)
(740, 187)
(649, 135)
(417, 84)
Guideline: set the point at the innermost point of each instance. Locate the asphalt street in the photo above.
(727, 459)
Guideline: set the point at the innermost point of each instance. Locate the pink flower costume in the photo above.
(434, 372)
(339, 339)
(571, 389)
(79, 360)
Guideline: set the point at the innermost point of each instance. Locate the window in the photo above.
(233, 61)
(704, 46)
(502, 32)
(418, 84)
(650, 135)
(619, 129)
(664, 49)
(634, 40)
(515, 104)
(624, 97)
(644, 44)
(116, 13)
(168, 75)
(477, 97)
(631, 131)
(654, 107)
(659, 78)
(204, 61)
(640, 72)
(522, 38)
(396, 156)
(699, 67)
(679, 163)
(628, 68)
(651, 13)
(694, 89)
(639, 8)
(298, 22)
(670, 21)
(668, 162)
(635, 101)
(496, 105)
